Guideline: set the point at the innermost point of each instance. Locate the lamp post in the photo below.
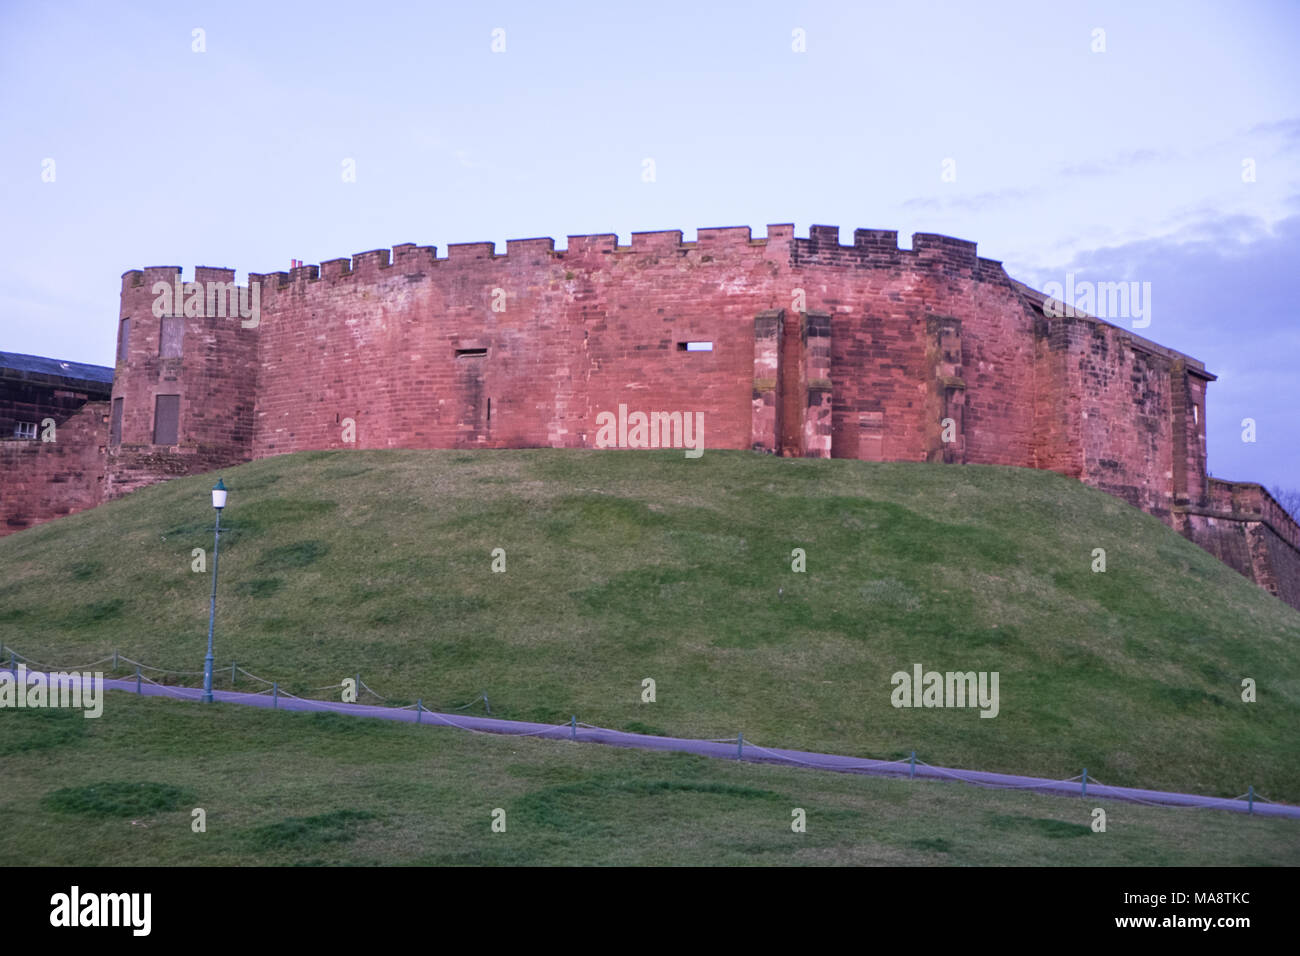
(218, 502)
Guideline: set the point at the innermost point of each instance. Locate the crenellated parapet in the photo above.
(410, 259)
(871, 248)
(879, 249)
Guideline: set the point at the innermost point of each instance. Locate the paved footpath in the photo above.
(725, 750)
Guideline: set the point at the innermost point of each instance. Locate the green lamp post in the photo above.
(218, 502)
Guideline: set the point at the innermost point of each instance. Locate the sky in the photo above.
(1153, 142)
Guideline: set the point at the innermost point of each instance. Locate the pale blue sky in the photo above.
(1124, 164)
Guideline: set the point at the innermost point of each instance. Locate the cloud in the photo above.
(1118, 163)
(1288, 128)
(1221, 291)
(976, 202)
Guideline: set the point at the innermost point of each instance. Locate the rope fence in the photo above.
(570, 730)
(222, 675)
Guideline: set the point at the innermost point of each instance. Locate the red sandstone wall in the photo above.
(1223, 537)
(20, 402)
(1243, 526)
(879, 348)
(581, 332)
(1253, 548)
(1246, 500)
(888, 361)
(662, 292)
(215, 377)
(1191, 483)
(585, 330)
(1277, 564)
(1120, 412)
(40, 481)
(1127, 429)
(1058, 426)
(916, 337)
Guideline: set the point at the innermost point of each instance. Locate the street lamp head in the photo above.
(219, 495)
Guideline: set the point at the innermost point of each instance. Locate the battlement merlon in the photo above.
(959, 253)
(270, 281)
(580, 246)
(409, 259)
(722, 237)
(459, 251)
(542, 248)
(213, 274)
(668, 240)
(133, 279)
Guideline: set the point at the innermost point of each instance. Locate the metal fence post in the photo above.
(573, 727)
(1250, 799)
(232, 673)
(1085, 782)
(275, 693)
(912, 772)
(487, 704)
(137, 681)
(740, 746)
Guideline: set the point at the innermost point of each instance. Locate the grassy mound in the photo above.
(622, 566)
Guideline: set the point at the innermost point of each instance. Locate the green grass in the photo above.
(117, 798)
(284, 788)
(628, 565)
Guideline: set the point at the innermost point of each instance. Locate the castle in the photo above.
(793, 346)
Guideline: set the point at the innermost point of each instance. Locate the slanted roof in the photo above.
(41, 370)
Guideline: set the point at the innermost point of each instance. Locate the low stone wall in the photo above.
(1245, 528)
(43, 480)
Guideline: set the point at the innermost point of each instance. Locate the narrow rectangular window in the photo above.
(24, 429)
(115, 423)
(171, 336)
(166, 419)
(470, 353)
(123, 338)
(695, 346)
